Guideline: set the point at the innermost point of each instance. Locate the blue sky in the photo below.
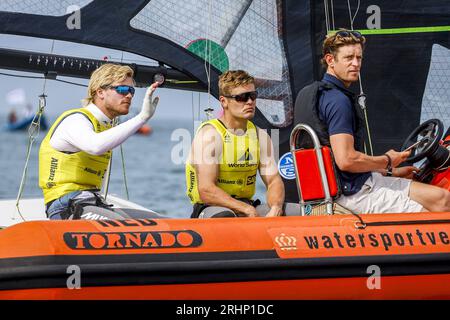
(61, 97)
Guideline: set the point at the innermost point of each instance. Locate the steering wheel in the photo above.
(426, 138)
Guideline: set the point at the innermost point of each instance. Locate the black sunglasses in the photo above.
(243, 97)
(123, 90)
(345, 34)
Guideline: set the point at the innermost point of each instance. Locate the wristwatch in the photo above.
(389, 166)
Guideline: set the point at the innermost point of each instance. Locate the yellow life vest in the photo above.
(238, 166)
(61, 172)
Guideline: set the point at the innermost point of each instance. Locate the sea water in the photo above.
(154, 167)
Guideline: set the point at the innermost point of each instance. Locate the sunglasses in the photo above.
(123, 90)
(346, 34)
(243, 97)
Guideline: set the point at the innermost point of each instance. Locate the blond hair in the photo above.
(104, 76)
(232, 79)
(333, 42)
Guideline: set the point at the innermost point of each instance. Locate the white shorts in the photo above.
(381, 194)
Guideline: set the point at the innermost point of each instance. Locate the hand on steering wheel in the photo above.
(423, 140)
(397, 157)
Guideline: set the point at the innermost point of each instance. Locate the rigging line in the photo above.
(124, 173)
(350, 14)
(357, 9)
(193, 112)
(205, 52)
(33, 132)
(364, 108)
(263, 18)
(109, 168)
(45, 78)
(360, 83)
(122, 157)
(37, 77)
(368, 132)
(327, 23)
(73, 83)
(22, 182)
(20, 76)
(352, 18)
(198, 106)
(332, 14)
(107, 177)
(208, 53)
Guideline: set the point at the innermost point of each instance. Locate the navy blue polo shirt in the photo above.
(336, 111)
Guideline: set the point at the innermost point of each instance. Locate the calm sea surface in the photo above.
(154, 167)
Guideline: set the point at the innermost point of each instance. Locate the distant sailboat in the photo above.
(21, 120)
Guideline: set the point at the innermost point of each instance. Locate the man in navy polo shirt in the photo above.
(371, 184)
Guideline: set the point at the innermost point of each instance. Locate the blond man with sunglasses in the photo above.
(74, 155)
(227, 154)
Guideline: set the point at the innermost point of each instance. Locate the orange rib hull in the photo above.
(398, 256)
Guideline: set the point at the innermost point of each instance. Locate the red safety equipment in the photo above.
(315, 171)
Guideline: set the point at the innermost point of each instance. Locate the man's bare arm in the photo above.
(269, 175)
(350, 160)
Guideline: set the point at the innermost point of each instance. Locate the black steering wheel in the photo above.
(424, 140)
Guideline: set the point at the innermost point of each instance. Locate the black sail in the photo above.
(405, 74)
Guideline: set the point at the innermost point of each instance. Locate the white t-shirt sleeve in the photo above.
(76, 133)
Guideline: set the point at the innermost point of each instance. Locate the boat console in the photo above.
(430, 146)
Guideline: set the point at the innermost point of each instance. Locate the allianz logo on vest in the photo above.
(239, 182)
(225, 181)
(53, 167)
(191, 181)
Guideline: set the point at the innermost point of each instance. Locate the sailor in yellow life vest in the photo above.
(76, 151)
(227, 153)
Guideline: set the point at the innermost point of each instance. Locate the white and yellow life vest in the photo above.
(61, 172)
(238, 166)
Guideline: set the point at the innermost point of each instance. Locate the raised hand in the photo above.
(149, 105)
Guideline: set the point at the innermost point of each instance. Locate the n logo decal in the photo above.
(247, 156)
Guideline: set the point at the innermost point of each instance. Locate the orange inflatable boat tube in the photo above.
(384, 256)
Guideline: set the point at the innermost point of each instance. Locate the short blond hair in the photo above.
(232, 79)
(333, 42)
(104, 76)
